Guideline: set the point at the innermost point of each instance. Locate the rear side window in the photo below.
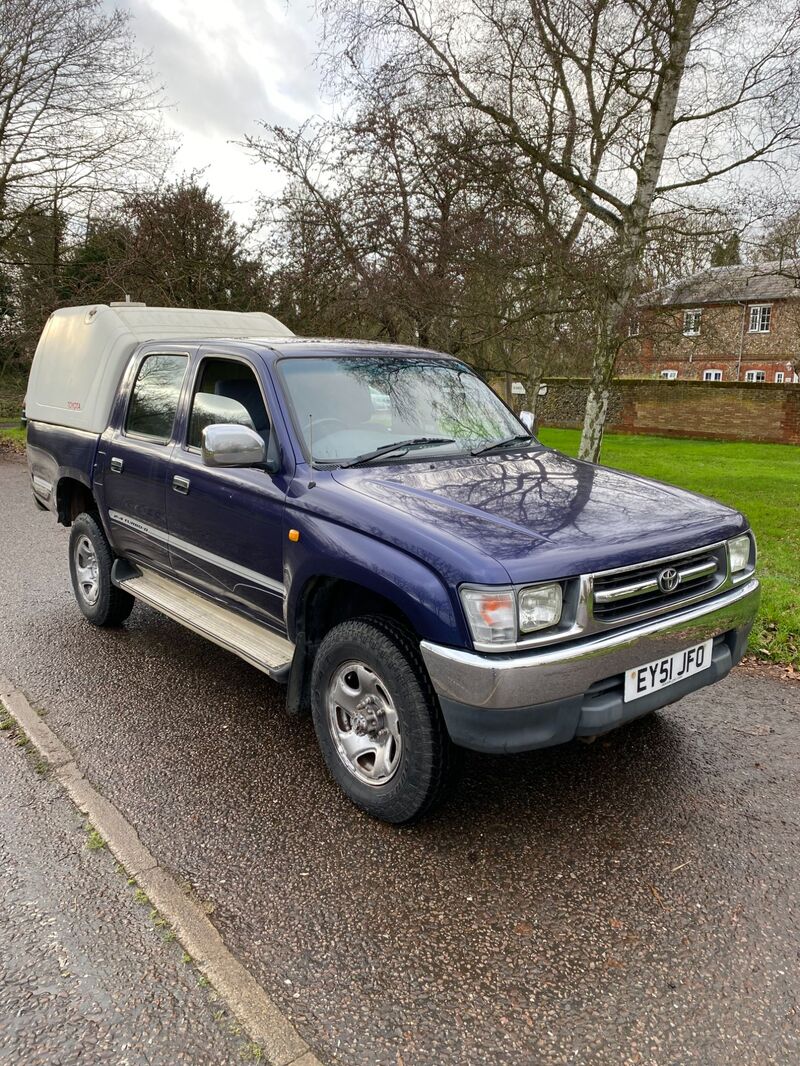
(154, 401)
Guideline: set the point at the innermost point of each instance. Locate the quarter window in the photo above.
(712, 375)
(154, 400)
(691, 323)
(755, 375)
(760, 316)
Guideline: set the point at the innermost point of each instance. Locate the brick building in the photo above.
(732, 323)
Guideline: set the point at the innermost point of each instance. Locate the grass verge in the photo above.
(13, 437)
(762, 480)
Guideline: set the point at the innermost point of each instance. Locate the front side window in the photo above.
(348, 406)
(760, 316)
(755, 375)
(669, 375)
(227, 392)
(712, 375)
(154, 400)
(691, 323)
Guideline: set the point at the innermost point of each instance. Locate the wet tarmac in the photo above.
(86, 976)
(632, 901)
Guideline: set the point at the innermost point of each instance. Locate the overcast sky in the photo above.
(225, 66)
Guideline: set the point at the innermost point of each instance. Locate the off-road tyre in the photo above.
(110, 606)
(428, 759)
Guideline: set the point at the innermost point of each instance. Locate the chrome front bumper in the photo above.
(506, 682)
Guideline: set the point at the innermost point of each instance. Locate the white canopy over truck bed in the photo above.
(83, 352)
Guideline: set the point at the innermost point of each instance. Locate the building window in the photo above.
(712, 375)
(691, 323)
(634, 326)
(669, 375)
(779, 377)
(760, 315)
(755, 375)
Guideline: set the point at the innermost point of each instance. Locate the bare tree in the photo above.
(78, 112)
(622, 108)
(399, 220)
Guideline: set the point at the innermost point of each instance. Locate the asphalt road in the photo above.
(85, 975)
(632, 901)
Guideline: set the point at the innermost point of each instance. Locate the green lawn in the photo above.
(14, 434)
(763, 480)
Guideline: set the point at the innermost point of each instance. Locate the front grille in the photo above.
(629, 593)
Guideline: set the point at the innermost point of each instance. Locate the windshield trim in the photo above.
(415, 456)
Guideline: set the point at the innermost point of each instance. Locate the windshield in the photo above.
(348, 406)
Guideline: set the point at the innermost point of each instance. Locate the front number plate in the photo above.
(661, 673)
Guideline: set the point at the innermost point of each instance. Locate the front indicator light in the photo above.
(540, 607)
(739, 553)
(491, 615)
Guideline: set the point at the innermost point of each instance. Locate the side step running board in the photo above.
(255, 644)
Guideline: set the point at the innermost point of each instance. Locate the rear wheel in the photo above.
(90, 561)
(378, 722)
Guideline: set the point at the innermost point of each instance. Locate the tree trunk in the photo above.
(594, 419)
(608, 317)
(533, 380)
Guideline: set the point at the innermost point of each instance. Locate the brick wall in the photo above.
(712, 411)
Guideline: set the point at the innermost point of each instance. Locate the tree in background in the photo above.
(183, 248)
(780, 240)
(78, 114)
(726, 251)
(620, 109)
(79, 128)
(175, 245)
(400, 221)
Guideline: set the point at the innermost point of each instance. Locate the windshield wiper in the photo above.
(399, 445)
(504, 443)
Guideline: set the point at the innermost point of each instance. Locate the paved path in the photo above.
(85, 976)
(634, 901)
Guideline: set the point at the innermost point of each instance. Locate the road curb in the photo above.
(258, 1015)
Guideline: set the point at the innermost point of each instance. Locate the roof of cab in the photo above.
(310, 346)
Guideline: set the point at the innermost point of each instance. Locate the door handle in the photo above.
(117, 465)
(181, 484)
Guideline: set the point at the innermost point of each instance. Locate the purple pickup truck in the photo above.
(371, 526)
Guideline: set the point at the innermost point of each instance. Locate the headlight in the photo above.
(539, 607)
(499, 615)
(491, 614)
(739, 553)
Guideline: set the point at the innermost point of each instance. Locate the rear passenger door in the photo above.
(226, 524)
(136, 459)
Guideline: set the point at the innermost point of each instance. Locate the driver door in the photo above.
(226, 524)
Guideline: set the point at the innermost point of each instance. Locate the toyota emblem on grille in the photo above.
(669, 579)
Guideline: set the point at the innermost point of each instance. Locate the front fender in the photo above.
(327, 549)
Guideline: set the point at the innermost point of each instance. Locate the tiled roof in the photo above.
(777, 280)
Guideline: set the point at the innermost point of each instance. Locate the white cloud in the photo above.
(225, 67)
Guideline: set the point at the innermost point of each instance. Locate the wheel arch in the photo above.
(324, 599)
(327, 600)
(73, 497)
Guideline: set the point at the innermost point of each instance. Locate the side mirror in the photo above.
(528, 421)
(231, 445)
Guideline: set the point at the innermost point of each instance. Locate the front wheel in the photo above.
(377, 720)
(90, 562)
